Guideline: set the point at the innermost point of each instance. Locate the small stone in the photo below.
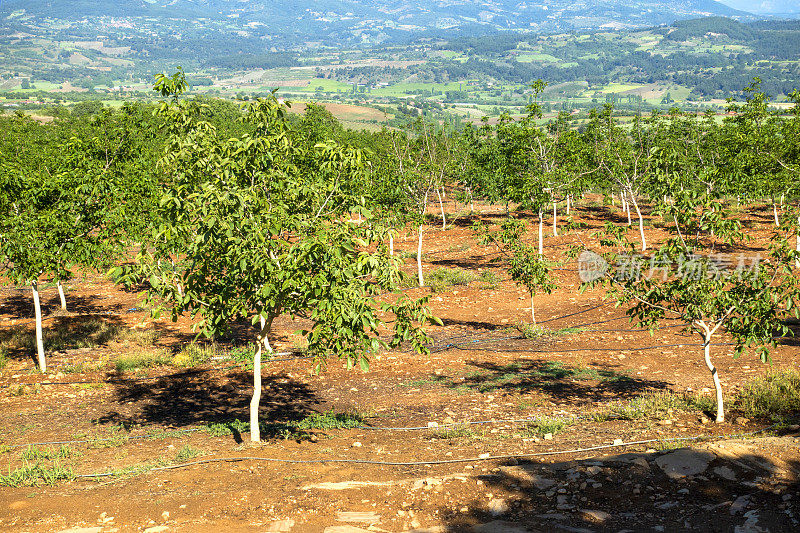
(448, 420)
(740, 504)
(548, 436)
(280, 526)
(497, 507)
(484, 456)
(681, 463)
(165, 516)
(617, 442)
(433, 424)
(666, 422)
(156, 529)
(725, 473)
(704, 420)
(595, 516)
(356, 444)
(593, 470)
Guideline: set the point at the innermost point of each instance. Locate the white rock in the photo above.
(357, 444)
(497, 506)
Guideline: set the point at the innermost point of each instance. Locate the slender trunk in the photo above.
(533, 315)
(391, 244)
(441, 208)
(471, 201)
(541, 233)
(569, 201)
(37, 307)
(715, 375)
(62, 296)
(797, 242)
(263, 341)
(419, 258)
(555, 219)
(627, 208)
(775, 214)
(782, 199)
(641, 221)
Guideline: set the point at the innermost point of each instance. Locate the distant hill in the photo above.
(291, 23)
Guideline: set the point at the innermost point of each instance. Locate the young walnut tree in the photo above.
(747, 297)
(252, 238)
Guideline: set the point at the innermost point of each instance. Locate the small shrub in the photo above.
(220, 429)
(530, 331)
(136, 361)
(3, 356)
(652, 405)
(442, 278)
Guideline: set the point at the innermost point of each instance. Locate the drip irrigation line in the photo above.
(437, 461)
(573, 314)
(637, 349)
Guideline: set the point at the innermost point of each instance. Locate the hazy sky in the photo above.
(765, 6)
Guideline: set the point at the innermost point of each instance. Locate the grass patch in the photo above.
(651, 405)
(36, 474)
(139, 360)
(441, 278)
(194, 354)
(530, 331)
(543, 426)
(34, 453)
(330, 420)
(187, 453)
(489, 279)
(3, 356)
(453, 432)
(773, 395)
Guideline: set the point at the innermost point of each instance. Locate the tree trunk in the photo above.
(62, 296)
(715, 375)
(419, 259)
(533, 315)
(541, 233)
(391, 244)
(569, 201)
(775, 214)
(37, 307)
(555, 219)
(263, 340)
(641, 221)
(797, 242)
(627, 207)
(471, 201)
(441, 208)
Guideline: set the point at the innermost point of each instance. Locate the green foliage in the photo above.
(194, 354)
(34, 453)
(453, 432)
(545, 425)
(330, 420)
(187, 453)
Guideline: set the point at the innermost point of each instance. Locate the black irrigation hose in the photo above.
(438, 461)
(576, 313)
(638, 349)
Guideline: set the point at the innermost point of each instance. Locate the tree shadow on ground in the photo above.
(731, 488)
(192, 398)
(565, 383)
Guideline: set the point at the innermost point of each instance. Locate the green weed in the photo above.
(187, 452)
(3, 356)
(441, 278)
(775, 394)
(530, 331)
(453, 432)
(34, 453)
(490, 279)
(543, 426)
(32, 475)
(651, 405)
(149, 359)
(194, 354)
(330, 420)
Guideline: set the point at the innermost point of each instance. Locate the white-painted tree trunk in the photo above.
(715, 376)
(555, 219)
(775, 214)
(541, 233)
(627, 207)
(419, 258)
(255, 401)
(62, 296)
(391, 243)
(37, 308)
(441, 208)
(797, 242)
(569, 202)
(533, 315)
(641, 221)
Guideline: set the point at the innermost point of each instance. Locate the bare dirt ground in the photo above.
(474, 461)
